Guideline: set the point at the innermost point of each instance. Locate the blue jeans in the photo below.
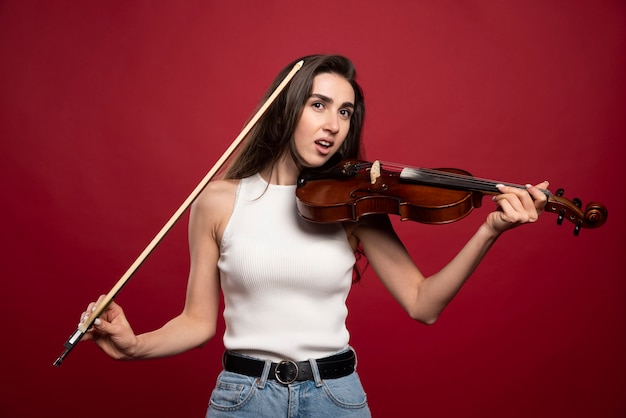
(236, 395)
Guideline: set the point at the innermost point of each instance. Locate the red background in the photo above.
(112, 112)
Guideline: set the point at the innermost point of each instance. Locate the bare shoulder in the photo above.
(214, 205)
(217, 193)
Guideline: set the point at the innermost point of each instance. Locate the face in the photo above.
(325, 119)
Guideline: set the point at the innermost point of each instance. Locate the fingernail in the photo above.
(93, 309)
(97, 321)
(499, 185)
(528, 185)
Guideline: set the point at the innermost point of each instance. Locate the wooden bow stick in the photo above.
(84, 326)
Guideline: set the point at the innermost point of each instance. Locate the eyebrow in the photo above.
(330, 100)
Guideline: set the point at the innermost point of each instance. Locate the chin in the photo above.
(314, 162)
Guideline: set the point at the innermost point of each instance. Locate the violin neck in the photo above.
(449, 179)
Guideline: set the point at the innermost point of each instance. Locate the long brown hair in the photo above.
(272, 134)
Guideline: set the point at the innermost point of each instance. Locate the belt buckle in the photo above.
(292, 375)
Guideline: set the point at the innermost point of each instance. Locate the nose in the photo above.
(331, 124)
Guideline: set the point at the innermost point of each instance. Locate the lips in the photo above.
(324, 145)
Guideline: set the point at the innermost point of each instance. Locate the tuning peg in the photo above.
(560, 192)
(577, 202)
(559, 219)
(577, 228)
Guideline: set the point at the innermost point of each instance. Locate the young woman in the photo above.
(285, 280)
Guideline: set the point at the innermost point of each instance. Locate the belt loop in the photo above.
(261, 381)
(316, 372)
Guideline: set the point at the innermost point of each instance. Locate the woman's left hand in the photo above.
(517, 206)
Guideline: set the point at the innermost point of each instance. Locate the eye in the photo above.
(318, 105)
(345, 113)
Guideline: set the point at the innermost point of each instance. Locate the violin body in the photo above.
(350, 190)
(351, 197)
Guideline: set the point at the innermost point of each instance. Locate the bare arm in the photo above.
(196, 324)
(425, 298)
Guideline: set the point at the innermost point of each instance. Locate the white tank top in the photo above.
(285, 280)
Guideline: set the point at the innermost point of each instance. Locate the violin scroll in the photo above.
(594, 216)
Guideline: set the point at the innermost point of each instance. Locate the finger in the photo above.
(110, 315)
(537, 192)
(99, 301)
(87, 336)
(84, 316)
(91, 307)
(512, 210)
(530, 202)
(514, 196)
(99, 325)
(97, 304)
(517, 206)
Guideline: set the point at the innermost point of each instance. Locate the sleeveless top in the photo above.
(285, 280)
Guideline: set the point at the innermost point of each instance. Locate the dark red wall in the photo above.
(112, 112)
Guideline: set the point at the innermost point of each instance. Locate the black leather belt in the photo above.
(286, 372)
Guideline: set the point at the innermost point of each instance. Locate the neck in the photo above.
(284, 172)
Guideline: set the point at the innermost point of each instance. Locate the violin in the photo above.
(351, 189)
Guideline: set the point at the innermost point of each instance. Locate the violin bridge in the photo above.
(375, 171)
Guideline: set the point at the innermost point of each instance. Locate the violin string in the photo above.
(460, 179)
(453, 179)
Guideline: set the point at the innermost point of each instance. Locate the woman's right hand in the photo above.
(111, 331)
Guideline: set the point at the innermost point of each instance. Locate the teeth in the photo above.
(324, 143)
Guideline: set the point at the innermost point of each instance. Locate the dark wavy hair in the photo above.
(273, 133)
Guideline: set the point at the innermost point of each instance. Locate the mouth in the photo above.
(323, 146)
(324, 143)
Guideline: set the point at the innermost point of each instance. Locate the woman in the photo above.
(285, 280)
